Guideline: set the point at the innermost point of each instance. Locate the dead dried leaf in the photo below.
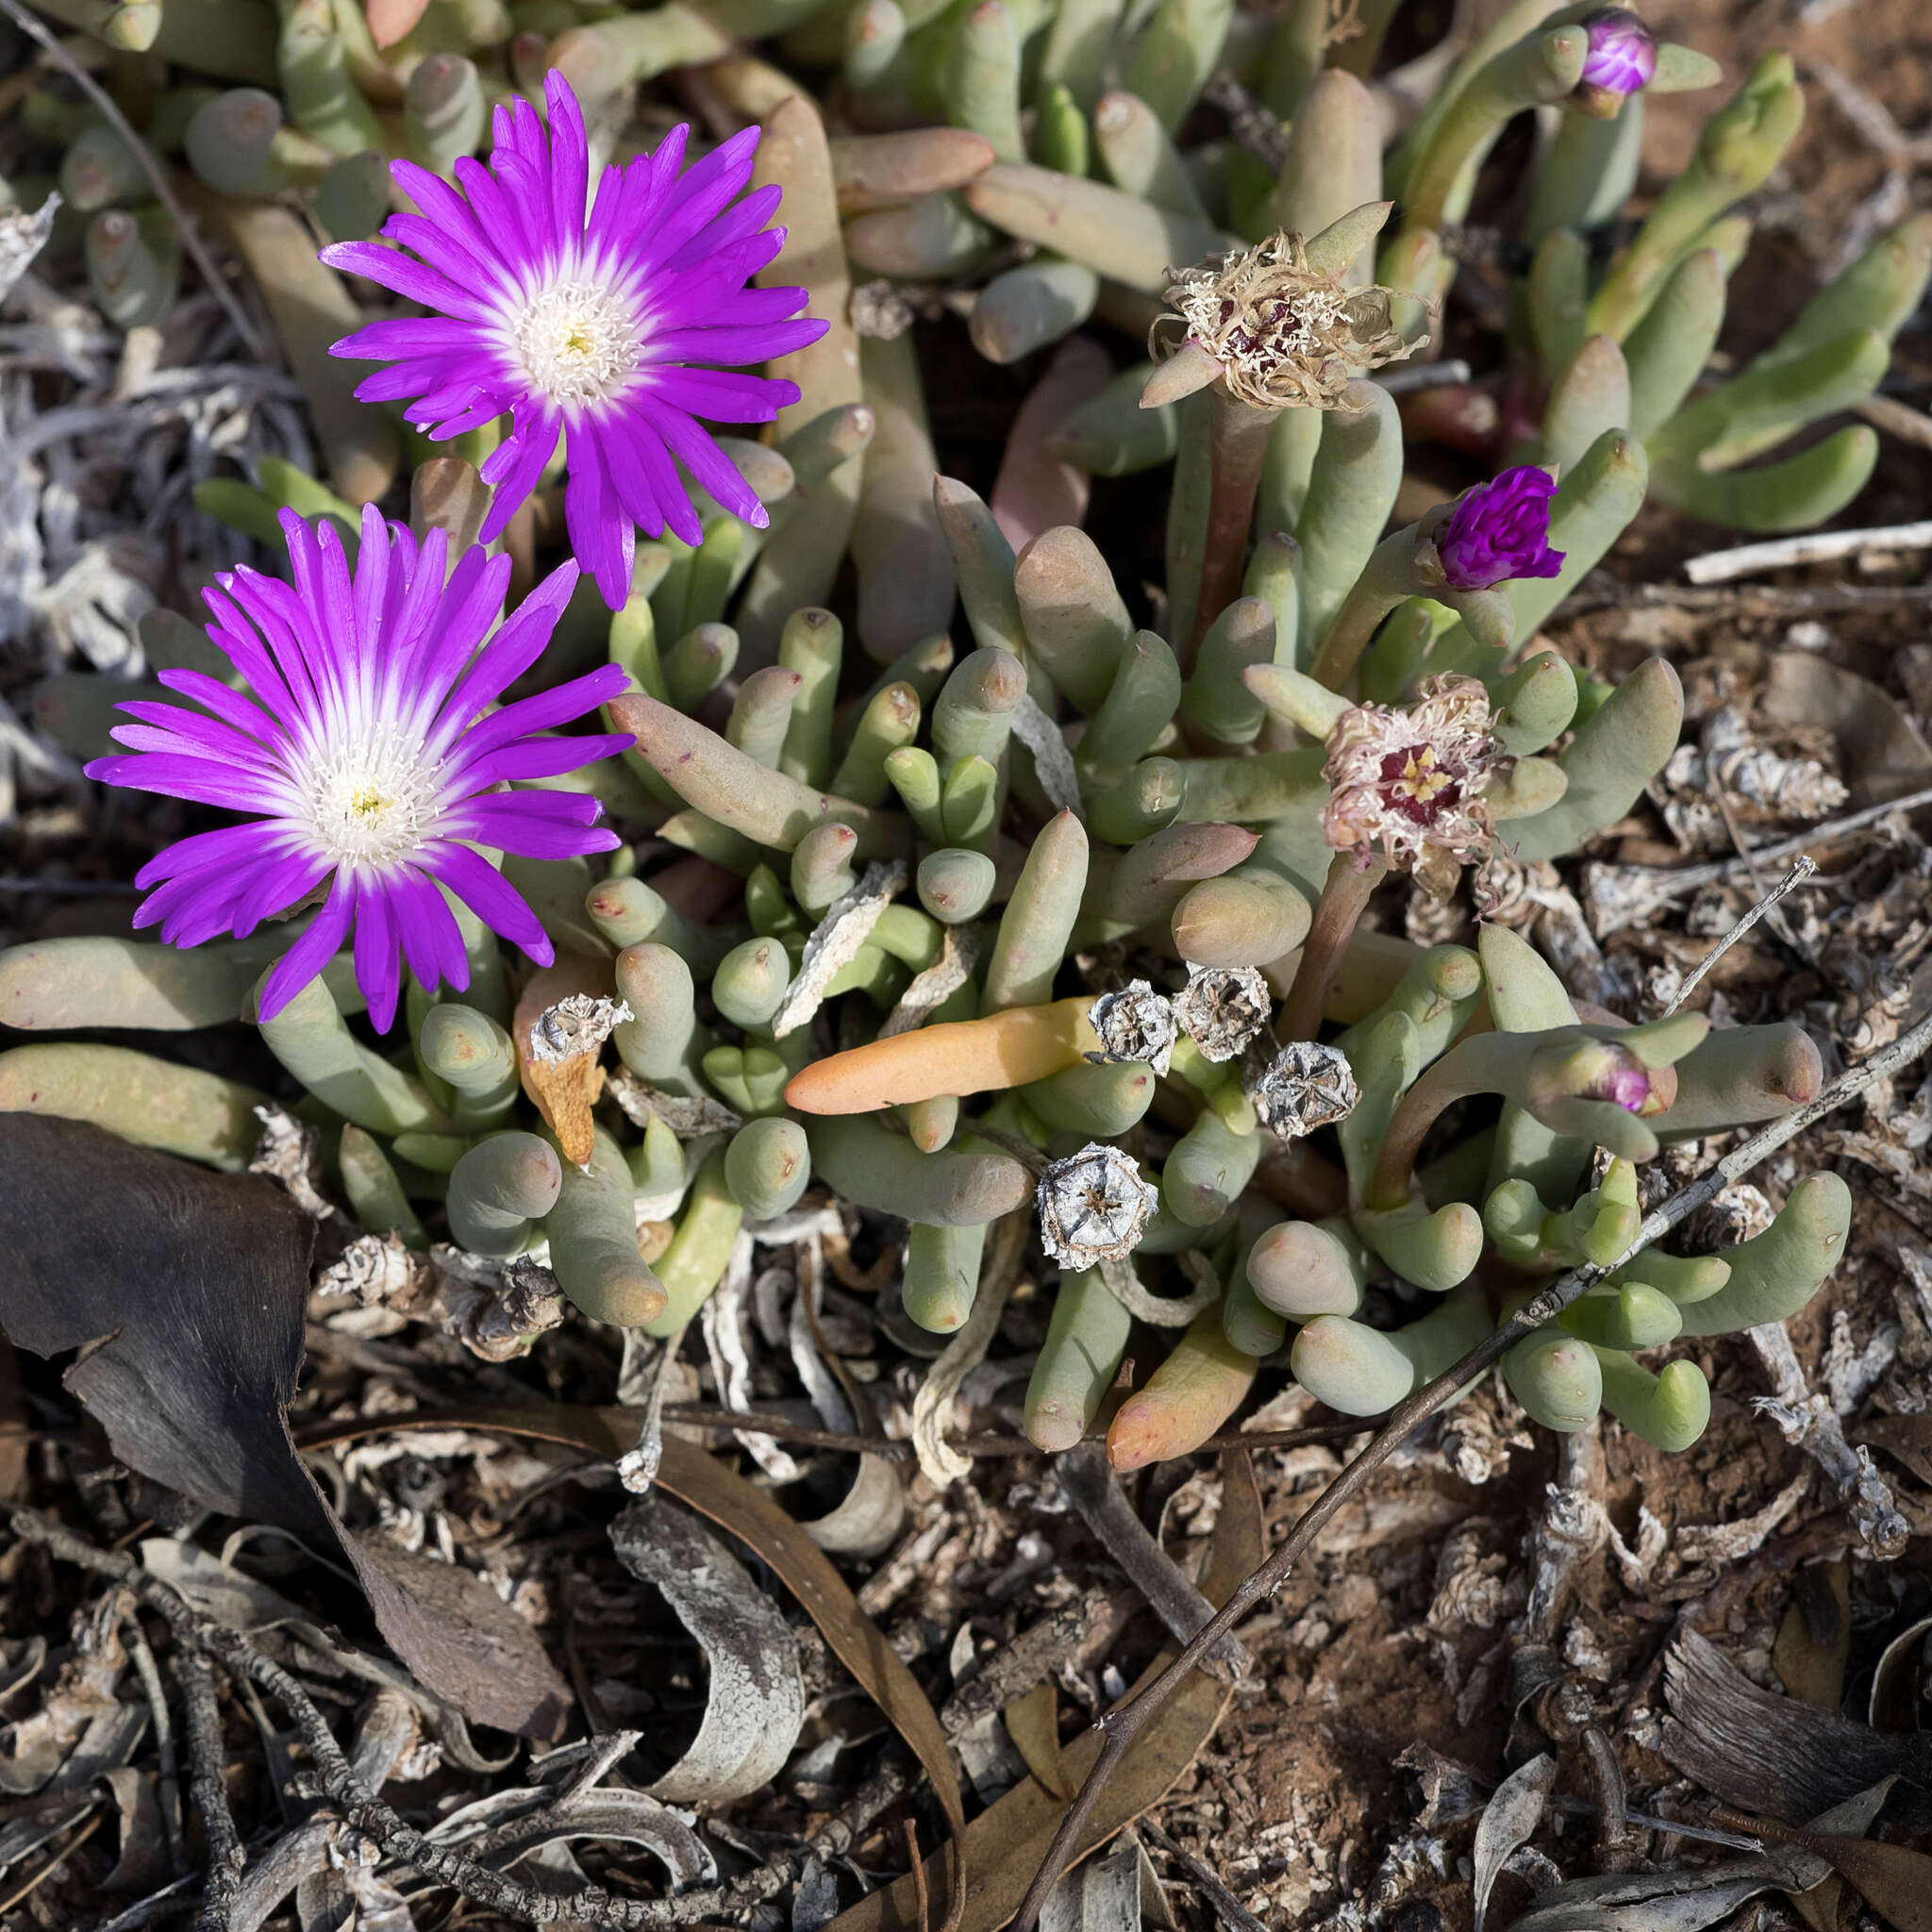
(1901, 1680)
(1766, 1754)
(563, 1091)
(1894, 1881)
(1818, 1905)
(706, 1484)
(1004, 1844)
(1509, 1819)
(1885, 756)
(1033, 1722)
(1814, 1641)
(755, 1697)
(1664, 1901)
(191, 1376)
(1104, 1896)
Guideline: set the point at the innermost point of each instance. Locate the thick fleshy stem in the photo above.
(1344, 894)
(1237, 448)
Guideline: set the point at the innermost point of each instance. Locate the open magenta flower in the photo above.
(1498, 530)
(362, 744)
(1621, 58)
(606, 328)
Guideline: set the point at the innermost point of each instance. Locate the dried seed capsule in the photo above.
(1201, 1384)
(593, 1241)
(1305, 1086)
(1222, 1008)
(499, 1189)
(1093, 1206)
(1135, 1024)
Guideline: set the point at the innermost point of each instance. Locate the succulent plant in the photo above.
(1067, 922)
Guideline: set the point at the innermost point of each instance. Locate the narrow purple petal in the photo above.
(309, 953)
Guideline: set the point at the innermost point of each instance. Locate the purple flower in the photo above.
(1629, 1087)
(1621, 58)
(1498, 530)
(361, 743)
(606, 329)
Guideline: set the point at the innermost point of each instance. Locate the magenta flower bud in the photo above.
(1629, 1087)
(1622, 58)
(1498, 530)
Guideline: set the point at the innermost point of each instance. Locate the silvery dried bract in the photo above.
(1093, 1206)
(1136, 1023)
(578, 1025)
(1306, 1087)
(1222, 1008)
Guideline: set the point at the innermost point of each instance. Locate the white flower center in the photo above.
(373, 801)
(578, 342)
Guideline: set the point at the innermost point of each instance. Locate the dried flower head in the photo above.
(1620, 60)
(1287, 334)
(1304, 1086)
(1223, 1008)
(362, 746)
(1497, 531)
(1093, 1206)
(1411, 781)
(1135, 1024)
(604, 329)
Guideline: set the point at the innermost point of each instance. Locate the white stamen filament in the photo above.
(578, 342)
(371, 800)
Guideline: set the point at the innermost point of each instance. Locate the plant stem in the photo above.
(1238, 444)
(1344, 894)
